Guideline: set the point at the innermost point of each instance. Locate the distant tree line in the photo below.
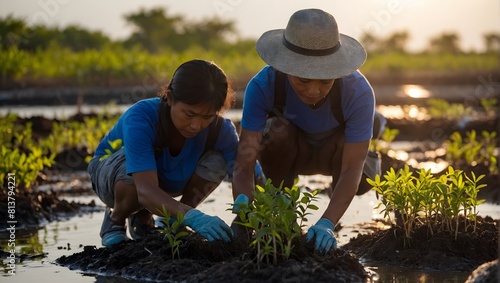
(448, 42)
(43, 56)
(155, 31)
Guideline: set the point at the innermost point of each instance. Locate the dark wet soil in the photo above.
(36, 208)
(202, 261)
(423, 251)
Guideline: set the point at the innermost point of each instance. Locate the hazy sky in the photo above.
(423, 19)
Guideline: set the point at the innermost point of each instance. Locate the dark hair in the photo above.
(194, 82)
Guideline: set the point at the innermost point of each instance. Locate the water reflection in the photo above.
(398, 154)
(415, 91)
(26, 242)
(31, 245)
(392, 274)
(433, 166)
(408, 112)
(428, 160)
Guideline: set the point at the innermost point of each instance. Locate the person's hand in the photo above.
(242, 234)
(323, 234)
(210, 227)
(240, 202)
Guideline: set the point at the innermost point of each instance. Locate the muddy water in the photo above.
(66, 237)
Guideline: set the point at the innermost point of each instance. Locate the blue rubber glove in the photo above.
(323, 232)
(210, 227)
(241, 201)
(159, 222)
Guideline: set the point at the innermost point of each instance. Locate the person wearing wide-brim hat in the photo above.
(304, 137)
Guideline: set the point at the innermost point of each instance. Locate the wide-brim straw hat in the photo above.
(311, 47)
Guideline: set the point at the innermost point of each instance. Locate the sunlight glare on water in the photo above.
(433, 166)
(409, 112)
(415, 91)
(398, 154)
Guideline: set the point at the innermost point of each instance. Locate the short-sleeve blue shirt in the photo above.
(358, 106)
(137, 130)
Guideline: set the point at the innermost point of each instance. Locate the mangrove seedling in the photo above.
(438, 202)
(277, 216)
(473, 150)
(172, 231)
(383, 144)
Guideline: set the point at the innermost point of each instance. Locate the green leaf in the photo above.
(313, 207)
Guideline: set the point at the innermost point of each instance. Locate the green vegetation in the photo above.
(19, 154)
(173, 232)
(154, 31)
(113, 66)
(27, 157)
(26, 166)
(117, 65)
(472, 150)
(438, 202)
(490, 106)
(441, 109)
(41, 55)
(73, 134)
(276, 215)
(431, 62)
(383, 144)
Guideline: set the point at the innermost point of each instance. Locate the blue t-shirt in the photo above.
(136, 128)
(358, 106)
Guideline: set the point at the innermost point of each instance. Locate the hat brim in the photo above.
(347, 59)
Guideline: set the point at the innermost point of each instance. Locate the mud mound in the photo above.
(440, 251)
(36, 208)
(202, 261)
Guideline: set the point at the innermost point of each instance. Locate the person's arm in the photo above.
(258, 102)
(244, 167)
(353, 159)
(352, 166)
(152, 197)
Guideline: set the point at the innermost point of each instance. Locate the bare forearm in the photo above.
(243, 183)
(244, 168)
(155, 202)
(154, 199)
(342, 196)
(353, 158)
